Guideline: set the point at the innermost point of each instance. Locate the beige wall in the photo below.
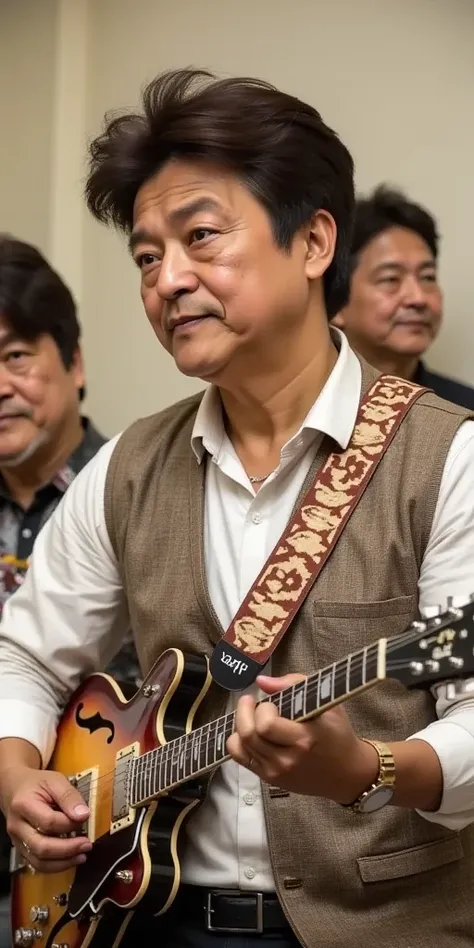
(396, 80)
(27, 40)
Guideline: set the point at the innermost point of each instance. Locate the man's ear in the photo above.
(338, 320)
(77, 368)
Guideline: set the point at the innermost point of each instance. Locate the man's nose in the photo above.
(176, 275)
(414, 293)
(6, 383)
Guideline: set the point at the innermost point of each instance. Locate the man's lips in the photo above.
(183, 321)
(6, 419)
(414, 321)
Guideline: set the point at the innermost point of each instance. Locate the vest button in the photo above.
(291, 883)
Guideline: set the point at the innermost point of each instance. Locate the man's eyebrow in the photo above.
(387, 265)
(177, 216)
(396, 266)
(7, 337)
(138, 237)
(180, 214)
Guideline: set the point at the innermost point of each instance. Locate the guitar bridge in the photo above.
(123, 814)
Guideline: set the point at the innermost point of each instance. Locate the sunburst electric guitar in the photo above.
(139, 765)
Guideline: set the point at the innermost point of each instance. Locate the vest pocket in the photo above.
(410, 862)
(399, 606)
(343, 627)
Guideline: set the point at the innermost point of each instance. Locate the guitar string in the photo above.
(171, 750)
(158, 755)
(162, 755)
(179, 748)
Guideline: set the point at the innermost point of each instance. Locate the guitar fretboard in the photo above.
(201, 750)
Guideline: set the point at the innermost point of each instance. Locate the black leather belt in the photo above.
(230, 911)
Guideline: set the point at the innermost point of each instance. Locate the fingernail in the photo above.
(86, 848)
(81, 859)
(81, 811)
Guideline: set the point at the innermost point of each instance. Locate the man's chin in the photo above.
(15, 456)
(207, 367)
(412, 343)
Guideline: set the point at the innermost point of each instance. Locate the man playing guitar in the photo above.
(237, 201)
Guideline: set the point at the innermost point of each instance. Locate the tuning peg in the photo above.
(431, 612)
(458, 602)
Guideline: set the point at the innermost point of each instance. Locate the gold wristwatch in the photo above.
(381, 792)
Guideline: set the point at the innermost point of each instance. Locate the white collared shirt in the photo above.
(63, 623)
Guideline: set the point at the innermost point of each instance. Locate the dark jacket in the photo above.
(450, 389)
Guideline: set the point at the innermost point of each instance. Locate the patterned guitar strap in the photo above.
(310, 536)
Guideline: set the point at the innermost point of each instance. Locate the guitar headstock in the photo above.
(440, 647)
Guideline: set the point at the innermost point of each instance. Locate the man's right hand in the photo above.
(40, 806)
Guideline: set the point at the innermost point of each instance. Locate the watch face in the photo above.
(376, 799)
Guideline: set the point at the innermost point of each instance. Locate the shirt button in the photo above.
(249, 798)
(257, 518)
(249, 873)
(26, 533)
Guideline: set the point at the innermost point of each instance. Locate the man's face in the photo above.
(219, 293)
(38, 395)
(395, 304)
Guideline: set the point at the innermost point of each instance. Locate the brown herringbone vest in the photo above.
(390, 879)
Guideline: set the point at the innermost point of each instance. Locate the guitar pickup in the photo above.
(123, 814)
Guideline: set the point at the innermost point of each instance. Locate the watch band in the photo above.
(385, 777)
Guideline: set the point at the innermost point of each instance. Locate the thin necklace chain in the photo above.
(258, 480)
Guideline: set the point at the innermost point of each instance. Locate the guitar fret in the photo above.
(205, 750)
(167, 766)
(148, 775)
(221, 740)
(215, 730)
(175, 762)
(196, 749)
(184, 755)
(205, 747)
(188, 755)
(162, 768)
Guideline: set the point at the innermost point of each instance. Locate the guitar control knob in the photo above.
(124, 875)
(24, 937)
(60, 899)
(62, 944)
(39, 913)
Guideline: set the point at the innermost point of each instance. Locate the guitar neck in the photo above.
(198, 752)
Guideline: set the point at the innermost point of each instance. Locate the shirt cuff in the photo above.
(454, 746)
(20, 720)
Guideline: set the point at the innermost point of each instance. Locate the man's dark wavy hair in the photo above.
(385, 208)
(34, 300)
(278, 146)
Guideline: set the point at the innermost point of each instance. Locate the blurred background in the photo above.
(396, 80)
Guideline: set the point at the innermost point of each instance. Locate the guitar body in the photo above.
(99, 733)
(139, 765)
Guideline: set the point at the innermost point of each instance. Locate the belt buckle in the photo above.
(258, 930)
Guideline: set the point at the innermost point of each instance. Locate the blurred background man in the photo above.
(44, 439)
(394, 310)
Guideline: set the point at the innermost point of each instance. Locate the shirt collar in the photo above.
(87, 447)
(334, 412)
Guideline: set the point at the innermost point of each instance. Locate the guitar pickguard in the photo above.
(94, 722)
